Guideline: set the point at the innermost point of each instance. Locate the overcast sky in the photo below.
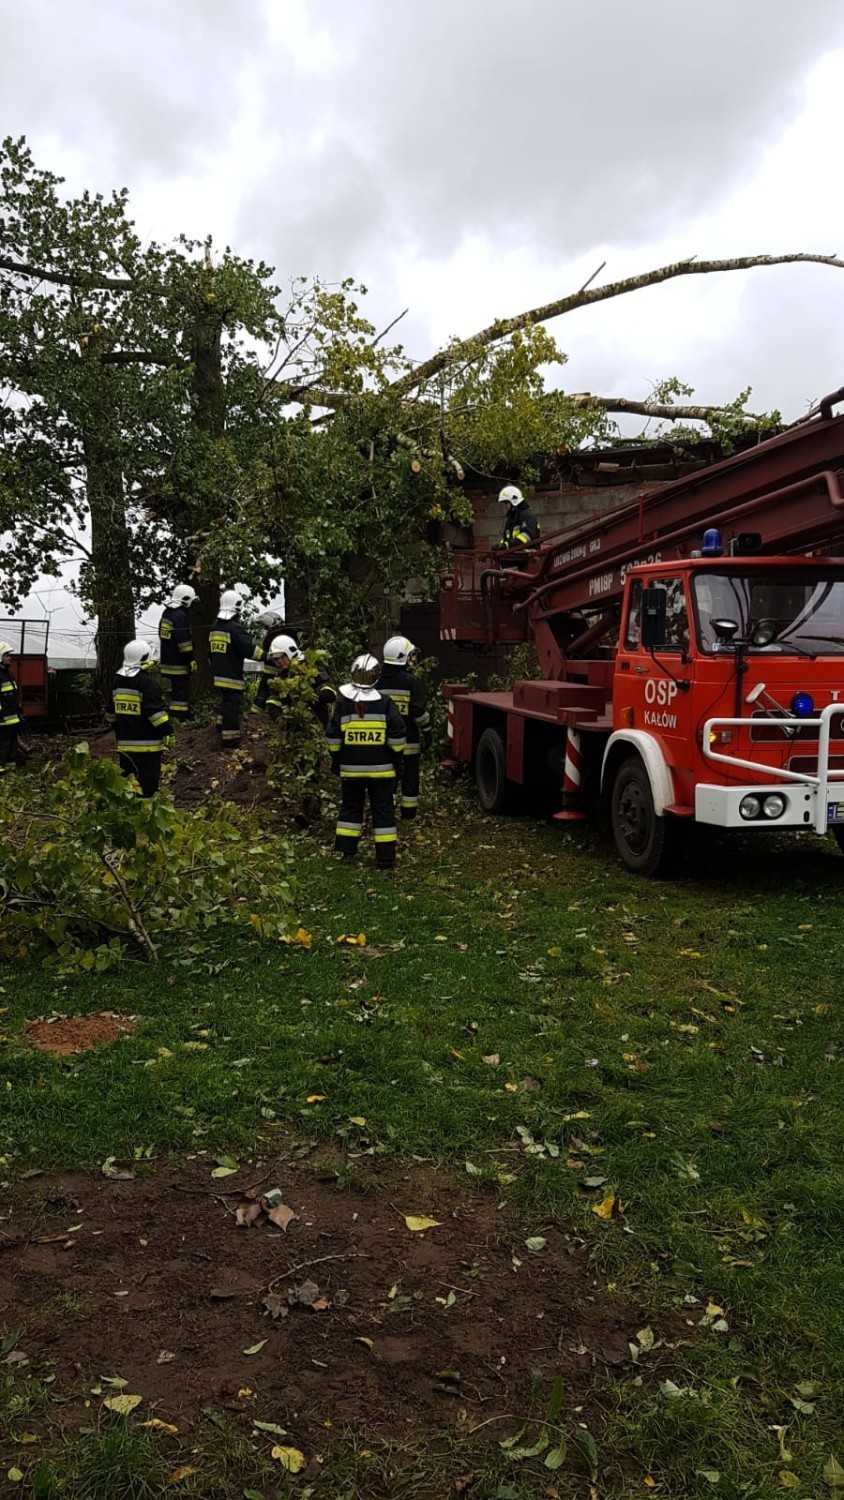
(471, 158)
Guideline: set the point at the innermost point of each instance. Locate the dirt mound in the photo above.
(200, 768)
(67, 1034)
(350, 1316)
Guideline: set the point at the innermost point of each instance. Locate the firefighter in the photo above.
(282, 655)
(272, 625)
(398, 682)
(177, 658)
(10, 714)
(231, 645)
(520, 524)
(139, 718)
(294, 685)
(366, 738)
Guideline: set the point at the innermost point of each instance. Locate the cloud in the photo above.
(549, 123)
(143, 86)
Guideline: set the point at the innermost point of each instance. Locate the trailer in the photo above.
(28, 640)
(691, 644)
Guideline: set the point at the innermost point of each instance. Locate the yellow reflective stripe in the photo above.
(143, 746)
(156, 719)
(186, 646)
(229, 682)
(386, 838)
(175, 671)
(348, 833)
(412, 749)
(12, 719)
(359, 771)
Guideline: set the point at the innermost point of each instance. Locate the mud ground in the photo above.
(351, 1317)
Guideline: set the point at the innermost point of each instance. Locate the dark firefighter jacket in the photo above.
(138, 714)
(407, 694)
(176, 644)
(230, 645)
(520, 527)
(10, 715)
(366, 737)
(324, 695)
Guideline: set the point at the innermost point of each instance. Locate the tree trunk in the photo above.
(202, 617)
(109, 576)
(209, 415)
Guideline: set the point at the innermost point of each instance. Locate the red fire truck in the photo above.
(691, 644)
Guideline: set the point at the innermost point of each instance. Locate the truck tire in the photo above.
(491, 772)
(646, 843)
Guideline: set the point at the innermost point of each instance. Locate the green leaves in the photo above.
(94, 874)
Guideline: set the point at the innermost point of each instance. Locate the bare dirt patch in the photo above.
(64, 1035)
(399, 1333)
(200, 768)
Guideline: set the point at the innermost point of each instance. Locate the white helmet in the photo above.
(398, 651)
(182, 597)
(229, 604)
(136, 656)
(270, 619)
(284, 645)
(511, 495)
(363, 677)
(5, 649)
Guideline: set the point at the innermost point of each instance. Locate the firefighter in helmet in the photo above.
(366, 738)
(284, 658)
(230, 645)
(272, 625)
(139, 718)
(10, 714)
(177, 658)
(398, 682)
(298, 691)
(521, 527)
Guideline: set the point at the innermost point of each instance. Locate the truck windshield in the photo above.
(785, 611)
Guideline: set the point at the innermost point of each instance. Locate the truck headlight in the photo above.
(750, 807)
(774, 806)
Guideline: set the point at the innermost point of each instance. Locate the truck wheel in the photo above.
(491, 772)
(646, 844)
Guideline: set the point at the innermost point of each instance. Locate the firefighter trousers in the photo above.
(229, 717)
(8, 748)
(146, 769)
(381, 793)
(409, 796)
(179, 694)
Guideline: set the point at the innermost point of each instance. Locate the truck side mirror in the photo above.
(654, 601)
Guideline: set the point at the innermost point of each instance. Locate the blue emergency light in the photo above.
(802, 705)
(712, 545)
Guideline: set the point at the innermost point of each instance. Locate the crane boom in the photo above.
(788, 491)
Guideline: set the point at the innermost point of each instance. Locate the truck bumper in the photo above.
(719, 805)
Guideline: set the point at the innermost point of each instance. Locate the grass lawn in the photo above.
(522, 1009)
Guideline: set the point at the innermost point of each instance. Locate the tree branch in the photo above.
(654, 408)
(68, 278)
(139, 357)
(585, 298)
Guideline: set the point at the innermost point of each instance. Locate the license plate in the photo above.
(835, 812)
